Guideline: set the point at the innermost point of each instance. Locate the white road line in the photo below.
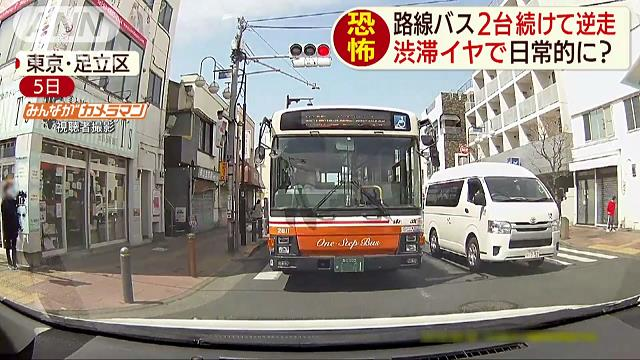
(576, 258)
(589, 253)
(268, 275)
(559, 262)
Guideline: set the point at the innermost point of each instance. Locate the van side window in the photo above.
(474, 187)
(444, 194)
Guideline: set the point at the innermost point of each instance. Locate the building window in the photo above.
(8, 149)
(14, 39)
(149, 3)
(166, 11)
(154, 91)
(203, 134)
(632, 110)
(598, 124)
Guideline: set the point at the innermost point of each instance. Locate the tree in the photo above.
(553, 145)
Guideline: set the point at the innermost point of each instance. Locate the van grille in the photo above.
(467, 354)
(529, 243)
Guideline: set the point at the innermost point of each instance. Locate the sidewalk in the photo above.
(622, 241)
(92, 282)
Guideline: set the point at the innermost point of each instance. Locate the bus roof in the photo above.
(480, 169)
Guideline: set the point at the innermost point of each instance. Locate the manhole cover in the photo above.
(487, 305)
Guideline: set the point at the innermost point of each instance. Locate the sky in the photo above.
(207, 28)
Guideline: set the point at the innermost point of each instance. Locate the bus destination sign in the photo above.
(345, 119)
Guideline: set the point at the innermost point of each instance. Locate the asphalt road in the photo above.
(248, 289)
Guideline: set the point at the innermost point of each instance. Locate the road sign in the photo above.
(514, 161)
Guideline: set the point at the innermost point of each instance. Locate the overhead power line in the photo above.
(276, 52)
(289, 27)
(341, 11)
(275, 69)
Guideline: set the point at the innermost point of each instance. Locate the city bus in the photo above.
(344, 187)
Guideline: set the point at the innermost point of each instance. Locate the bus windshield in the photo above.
(345, 172)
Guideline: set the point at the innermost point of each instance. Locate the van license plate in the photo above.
(349, 264)
(532, 254)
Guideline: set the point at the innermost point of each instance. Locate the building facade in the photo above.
(445, 123)
(606, 131)
(194, 149)
(92, 188)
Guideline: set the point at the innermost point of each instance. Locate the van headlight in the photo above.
(555, 225)
(499, 227)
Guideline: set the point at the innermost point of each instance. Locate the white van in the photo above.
(491, 212)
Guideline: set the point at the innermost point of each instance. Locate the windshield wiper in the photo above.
(326, 197)
(376, 202)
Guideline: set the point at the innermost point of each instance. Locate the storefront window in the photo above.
(97, 203)
(76, 154)
(98, 158)
(51, 192)
(52, 149)
(8, 170)
(75, 207)
(117, 206)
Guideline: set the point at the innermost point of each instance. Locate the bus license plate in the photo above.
(532, 254)
(349, 264)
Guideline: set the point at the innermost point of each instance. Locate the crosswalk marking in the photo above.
(575, 258)
(268, 275)
(589, 253)
(559, 262)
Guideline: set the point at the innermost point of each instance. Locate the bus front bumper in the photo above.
(328, 263)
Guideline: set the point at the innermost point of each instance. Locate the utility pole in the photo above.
(243, 189)
(233, 182)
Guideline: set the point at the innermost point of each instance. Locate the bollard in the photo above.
(191, 245)
(254, 230)
(125, 273)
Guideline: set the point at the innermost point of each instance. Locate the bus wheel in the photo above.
(434, 245)
(473, 254)
(535, 263)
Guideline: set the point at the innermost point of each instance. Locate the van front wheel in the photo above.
(473, 255)
(434, 245)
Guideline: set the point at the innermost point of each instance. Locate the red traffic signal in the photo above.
(323, 50)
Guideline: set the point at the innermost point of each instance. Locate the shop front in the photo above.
(204, 199)
(595, 187)
(83, 198)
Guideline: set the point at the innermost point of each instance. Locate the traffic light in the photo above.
(310, 55)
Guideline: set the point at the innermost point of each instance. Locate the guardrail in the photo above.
(505, 77)
(510, 116)
(527, 107)
(548, 96)
(492, 87)
(480, 95)
(496, 122)
(468, 105)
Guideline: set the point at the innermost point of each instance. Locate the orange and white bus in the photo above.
(344, 189)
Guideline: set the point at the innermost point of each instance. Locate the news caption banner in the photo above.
(48, 75)
(472, 38)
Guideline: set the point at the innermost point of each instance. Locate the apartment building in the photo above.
(515, 115)
(87, 190)
(606, 133)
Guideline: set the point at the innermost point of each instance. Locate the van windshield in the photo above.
(517, 189)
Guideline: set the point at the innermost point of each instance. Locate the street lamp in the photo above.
(201, 81)
(291, 100)
(226, 93)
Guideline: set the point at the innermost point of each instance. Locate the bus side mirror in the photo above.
(259, 155)
(427, 140)
(479, 199)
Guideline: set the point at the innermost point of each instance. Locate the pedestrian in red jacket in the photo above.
(611, 213)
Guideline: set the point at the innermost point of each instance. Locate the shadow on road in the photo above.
(505, 269)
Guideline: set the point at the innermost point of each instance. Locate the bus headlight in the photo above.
(555, 225)
(499, 227)
(411, 238)
(411, 247)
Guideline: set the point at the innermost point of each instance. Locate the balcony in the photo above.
(468, 105)
(510, 116)
(479, 95)
(548, 96)
(527, 107)
(505, 77)
(518, 72)
(492, 87)
(496, 123)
